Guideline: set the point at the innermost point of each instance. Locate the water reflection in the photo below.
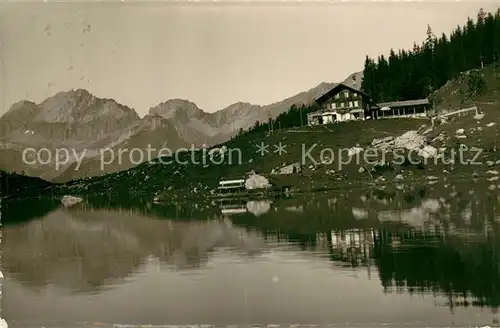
(439, 241)
(82, 250)
(466, 272)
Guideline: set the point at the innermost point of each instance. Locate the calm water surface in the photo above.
(413, 256)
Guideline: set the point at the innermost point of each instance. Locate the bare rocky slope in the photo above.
(78, 122)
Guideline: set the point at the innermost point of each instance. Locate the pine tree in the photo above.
(430, 41)
(479, 34)
(496, 36)
(476, 85)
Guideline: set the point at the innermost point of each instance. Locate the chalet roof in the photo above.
(336, 89)
(395, 104)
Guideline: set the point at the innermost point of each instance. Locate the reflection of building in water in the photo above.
(242, 205)
(233, 209)
(231, 205)
(353, 246)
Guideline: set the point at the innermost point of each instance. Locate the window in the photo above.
(346, 94)
(350, 103)
(334, 105)
(341, 105)
(356, 103)
(337, 96)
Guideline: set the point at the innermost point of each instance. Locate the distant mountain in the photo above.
(191, 123)
(82, 123)
(86, 125)
(149, 134)
(75, 114)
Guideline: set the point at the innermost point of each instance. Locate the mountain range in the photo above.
(78, 121)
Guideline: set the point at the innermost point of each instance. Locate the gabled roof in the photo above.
(336, 89)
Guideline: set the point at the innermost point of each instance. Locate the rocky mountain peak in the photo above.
(81, 106)
(21, 105)
(234, 111)
(238, 105)
(175, 107)
(23, 109)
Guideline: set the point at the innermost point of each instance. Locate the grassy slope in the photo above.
(449, 95)
(158, 178)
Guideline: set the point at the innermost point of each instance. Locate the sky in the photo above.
(141, 54)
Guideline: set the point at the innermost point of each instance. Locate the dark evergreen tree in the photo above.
(476, 85)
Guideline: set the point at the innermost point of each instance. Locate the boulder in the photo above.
(256, 181)
(69, 201)
(354, 150)
(428, 151)
(409, 140)
(288, 169)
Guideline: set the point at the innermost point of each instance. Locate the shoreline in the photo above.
(294, 190)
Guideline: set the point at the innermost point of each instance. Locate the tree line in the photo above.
(416, 73)
(294, 117)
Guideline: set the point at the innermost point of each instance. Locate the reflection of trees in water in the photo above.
(464, 269)
(83, 251)
(454, 267)
(15, 211)
(451, 249)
